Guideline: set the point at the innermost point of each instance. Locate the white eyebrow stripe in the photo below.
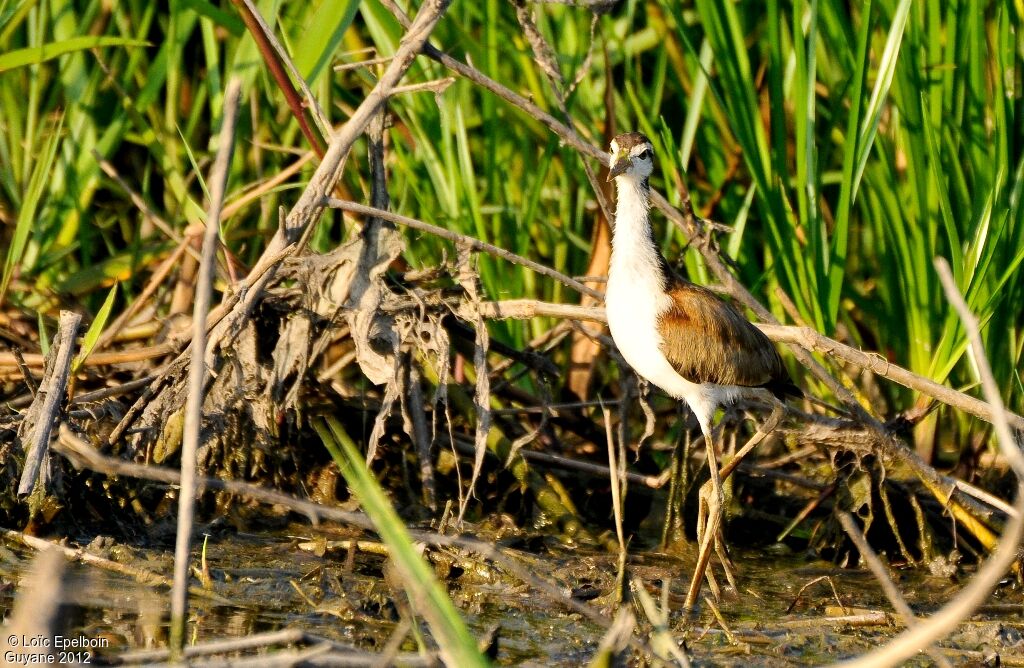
(640, 148)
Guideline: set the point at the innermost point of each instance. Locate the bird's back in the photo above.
(708, 341)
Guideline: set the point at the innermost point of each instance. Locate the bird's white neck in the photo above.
(636, 297)
(635, 256)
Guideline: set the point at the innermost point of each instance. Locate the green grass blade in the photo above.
(44, 336)
(40, 54)
(457, 646)
(29, 204)
(321, 35)
(92, 335)
(871, 114)
(883, 81)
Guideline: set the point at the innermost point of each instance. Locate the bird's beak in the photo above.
(619, 165)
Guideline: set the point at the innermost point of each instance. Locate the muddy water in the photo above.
(304, 578)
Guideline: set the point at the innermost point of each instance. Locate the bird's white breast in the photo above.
(634, 301)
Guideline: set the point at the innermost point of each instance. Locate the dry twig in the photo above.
(42, 414)
(197, 372)
(36, 613)
(881, 574)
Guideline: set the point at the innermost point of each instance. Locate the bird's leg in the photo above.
(709, 517)
(727, 566)
(768, 427)
(705, 502)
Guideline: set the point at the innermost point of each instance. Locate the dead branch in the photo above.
(473, 243)
(436, 86)
(802, 336)
(812, 340)
(229, 319)
(218, 181)
(35, 360)
(42, 414)
(881, 574)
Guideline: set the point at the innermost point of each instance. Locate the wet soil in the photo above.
(310, 578)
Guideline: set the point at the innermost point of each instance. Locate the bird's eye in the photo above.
(644, 155)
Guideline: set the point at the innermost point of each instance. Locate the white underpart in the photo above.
(635, 299)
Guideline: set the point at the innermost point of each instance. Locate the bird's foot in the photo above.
(711, 500)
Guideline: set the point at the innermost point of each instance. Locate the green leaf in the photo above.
(320, 37)
(27, 213)
(34, 55)
(227, 20)
(44, 337)
(92, 335)
(867, 118)
(457, 646)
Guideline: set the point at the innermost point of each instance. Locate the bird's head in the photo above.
(632, 157)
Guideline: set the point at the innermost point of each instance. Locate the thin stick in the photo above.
(524, 309)
(881, 574)
(155, 281)
(812, 340)
(142, 206)
(801, 336)
(984, 497)
(48, 400)
(1004, 438)
(341, 67)
(589, 468)
(277, 61)
(821, 578)
(36, 360)
(81, 555)
(434, 86)
(872, 618)
(475, 244)
(257, 190)
(117, 390)
(805, 511)
(721, 620)
(197, 372)
(289, 636)
(26, 373)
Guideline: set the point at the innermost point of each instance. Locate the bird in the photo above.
(681, 337)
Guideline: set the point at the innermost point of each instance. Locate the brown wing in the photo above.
(709, 341)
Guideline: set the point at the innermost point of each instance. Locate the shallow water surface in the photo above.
(306, 578)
